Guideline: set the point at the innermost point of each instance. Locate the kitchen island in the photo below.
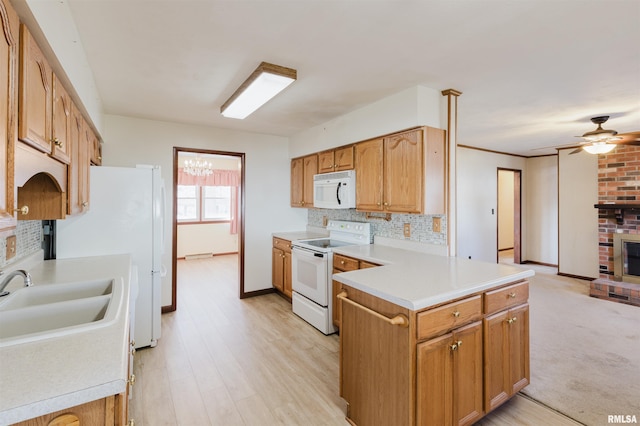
(430, 340)
(56, 370)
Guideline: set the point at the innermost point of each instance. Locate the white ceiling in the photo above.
(532, 72)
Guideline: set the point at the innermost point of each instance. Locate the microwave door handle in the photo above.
(338, 193)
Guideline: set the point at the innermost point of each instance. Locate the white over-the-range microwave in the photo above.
(335, 190)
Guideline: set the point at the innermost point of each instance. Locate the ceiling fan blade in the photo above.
(575, 151)
(629, 138)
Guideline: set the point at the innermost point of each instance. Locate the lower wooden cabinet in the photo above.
(448, 364)
(506, 345)
(343, 263)
(102, 412)
(281, 266)
(449, 378)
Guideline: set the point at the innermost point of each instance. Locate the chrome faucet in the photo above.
(8, 278)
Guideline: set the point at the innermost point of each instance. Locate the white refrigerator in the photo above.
(126, 215)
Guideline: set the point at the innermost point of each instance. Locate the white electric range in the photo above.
(312, 268)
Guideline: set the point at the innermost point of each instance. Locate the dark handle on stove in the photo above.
(338, 192)
(318, 254)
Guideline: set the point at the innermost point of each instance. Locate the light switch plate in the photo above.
(11, 247)
(436, 226)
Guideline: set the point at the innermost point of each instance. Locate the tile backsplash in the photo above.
(28, 240)
(421, 225)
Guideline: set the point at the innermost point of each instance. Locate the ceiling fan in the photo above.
(601, 141)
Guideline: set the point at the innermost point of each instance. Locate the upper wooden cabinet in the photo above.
(302, 171)
(402, 173)
(336, 160)
(36, 92)
(9, 24)
(61, 122)
(79, 167)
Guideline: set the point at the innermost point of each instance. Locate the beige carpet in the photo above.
(585, 352)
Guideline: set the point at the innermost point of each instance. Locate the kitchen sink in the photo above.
(53, 310)
(52, 293)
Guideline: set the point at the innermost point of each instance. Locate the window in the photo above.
(203, 203)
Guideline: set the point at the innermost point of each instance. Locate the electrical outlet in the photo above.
(436, 225)
(325, 221)
(11, 247)
(407, 230)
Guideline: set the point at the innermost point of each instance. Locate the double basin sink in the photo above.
(52, 310)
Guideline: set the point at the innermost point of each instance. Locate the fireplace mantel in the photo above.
(619, 209)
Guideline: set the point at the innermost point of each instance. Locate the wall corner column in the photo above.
(452, 142)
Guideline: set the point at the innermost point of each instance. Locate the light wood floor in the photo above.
(226, 361)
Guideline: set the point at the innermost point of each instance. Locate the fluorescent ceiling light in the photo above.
(599, 148)
(263, 84)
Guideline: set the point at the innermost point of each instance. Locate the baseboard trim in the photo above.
(579, 277)
(533, 262)
(255, 293)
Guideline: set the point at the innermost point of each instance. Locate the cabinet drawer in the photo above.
(364, 264)
(506, 297)
(447, 317)
(345, 263)
(284, 245)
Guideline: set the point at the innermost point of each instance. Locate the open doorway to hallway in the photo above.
(509, 222)
(208, 209)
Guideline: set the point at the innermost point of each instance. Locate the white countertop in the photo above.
(299, 235)
(417, 280)
(52, 374)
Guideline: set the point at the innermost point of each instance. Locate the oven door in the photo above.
(310, 274)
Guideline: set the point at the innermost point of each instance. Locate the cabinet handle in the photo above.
(85, 204)
(377, 204)
(399, 319)
(512, 320)
(456, 314)
(132, 380)
(24, 210)
(454, 347)
(342, 262)
(386, 204)
(131, 422)
(512, 295)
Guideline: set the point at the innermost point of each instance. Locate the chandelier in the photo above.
(198, 167)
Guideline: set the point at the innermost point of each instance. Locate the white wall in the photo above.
(578, 219)
(541, 232)
(129, 141)
(506, 209)
(413, 107)
(206, 238)
(477, 202)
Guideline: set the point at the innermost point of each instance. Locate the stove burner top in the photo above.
(326, 243)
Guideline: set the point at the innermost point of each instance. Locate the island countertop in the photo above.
(417, 280)
(51, 374)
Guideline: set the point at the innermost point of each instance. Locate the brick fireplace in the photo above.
(619, 212)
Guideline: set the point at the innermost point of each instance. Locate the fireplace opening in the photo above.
(626, 257)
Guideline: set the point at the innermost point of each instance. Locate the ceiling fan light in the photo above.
(263, 84)
(599, 148)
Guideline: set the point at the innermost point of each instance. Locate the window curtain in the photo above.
(217, 178)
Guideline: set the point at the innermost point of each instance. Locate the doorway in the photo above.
(509, 238)
(208, 209)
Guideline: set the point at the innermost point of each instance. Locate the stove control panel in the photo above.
(359, 232)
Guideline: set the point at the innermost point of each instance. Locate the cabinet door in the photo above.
(310, 169)
(467, 374)
(286, 280)
(368, 163)
(277, 269)
(34, 125)
(297, 184)
(78, 170)
(9, 24)
(94, 145)
(403, 172)
(343, 158)
(61, 122)
(519, 347)
(506, 359)
(326, 164)
(434, 397)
